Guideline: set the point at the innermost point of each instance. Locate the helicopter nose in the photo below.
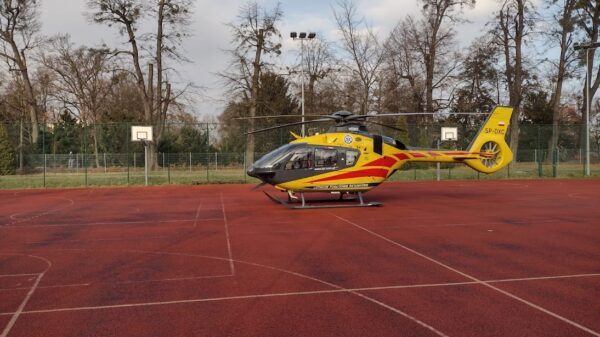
(252, 172)
(264, 174)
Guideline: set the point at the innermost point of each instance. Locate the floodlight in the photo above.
(302, 35)
(311, 35)
(293, 35)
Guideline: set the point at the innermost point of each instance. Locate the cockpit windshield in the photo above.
(276, 156)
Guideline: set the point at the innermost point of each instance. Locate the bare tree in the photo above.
(404, 60)
(84, 80)
(18, 31)
(172, 19)
(319, 64)
(512, 24)
(172, 16)
(361, 43)
(588, 18)
(434, 37)
(561, 34)
(254, 35)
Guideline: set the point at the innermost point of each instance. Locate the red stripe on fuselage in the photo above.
(382, 173)
(385, 161)
(401, 156)
(417, 155)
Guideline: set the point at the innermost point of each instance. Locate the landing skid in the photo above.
(302, 204)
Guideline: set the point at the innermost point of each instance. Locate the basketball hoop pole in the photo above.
(146, 162)
(143, 134)
(438, 163)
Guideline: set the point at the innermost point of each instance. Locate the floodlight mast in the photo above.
(587, 47)
(302, 36)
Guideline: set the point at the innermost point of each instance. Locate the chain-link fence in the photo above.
(97, 155)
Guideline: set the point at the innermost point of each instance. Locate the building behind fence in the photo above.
(74, 155)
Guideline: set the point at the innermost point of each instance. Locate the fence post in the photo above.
(555, 163)
(127, 148)
(84, 157)
(44, 151)
(85, 169)
(244, 171)
(207, 154)
(168, 170)
(216, 161)
(44, 170)
(104, 162)
(190, 162)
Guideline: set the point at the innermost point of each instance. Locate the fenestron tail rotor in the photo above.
(491, 154)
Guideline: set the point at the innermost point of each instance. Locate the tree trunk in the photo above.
(157, 105)
(254, 95)
(29, 93)
(95, 139)
(21, 163)
(556, 96)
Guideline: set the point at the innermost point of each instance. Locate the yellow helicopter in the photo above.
(349, 160)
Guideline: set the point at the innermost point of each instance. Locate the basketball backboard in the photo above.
(141, 133)
(449, 133)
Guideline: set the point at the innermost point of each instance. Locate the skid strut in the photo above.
(290, 202)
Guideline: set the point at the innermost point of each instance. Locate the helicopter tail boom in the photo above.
(487, 153)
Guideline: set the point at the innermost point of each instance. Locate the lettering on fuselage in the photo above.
(341, 187)
(494, 131)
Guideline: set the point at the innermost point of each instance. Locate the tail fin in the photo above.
(491, 144)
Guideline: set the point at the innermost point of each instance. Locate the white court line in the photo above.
(102, 240)
(19, 311)
(294, 293)
(111, 223)
(231, 266)
(473, 278)
(391, 287)
(355, 293)
(197, 215)
(18, 275)
(54, 210)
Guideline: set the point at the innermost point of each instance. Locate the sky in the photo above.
(210, 36)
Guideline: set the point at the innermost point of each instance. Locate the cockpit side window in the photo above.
(351, 157)
(301, 159)
(325, 157)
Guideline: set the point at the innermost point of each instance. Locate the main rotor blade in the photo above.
(289, 124)
(416, 114)
(283, 116)
(387, 126)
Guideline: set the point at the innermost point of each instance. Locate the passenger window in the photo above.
(325, 157)
(300, 160)
(351, 157)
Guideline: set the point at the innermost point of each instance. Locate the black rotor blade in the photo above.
(258, 186)
(289, 124)
(387, 126)
(416, 114)
(283, 116)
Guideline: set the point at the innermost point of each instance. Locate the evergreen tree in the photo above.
(8, 164)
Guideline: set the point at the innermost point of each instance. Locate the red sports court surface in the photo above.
(487, 258)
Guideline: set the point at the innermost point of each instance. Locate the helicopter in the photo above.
(348, 160)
